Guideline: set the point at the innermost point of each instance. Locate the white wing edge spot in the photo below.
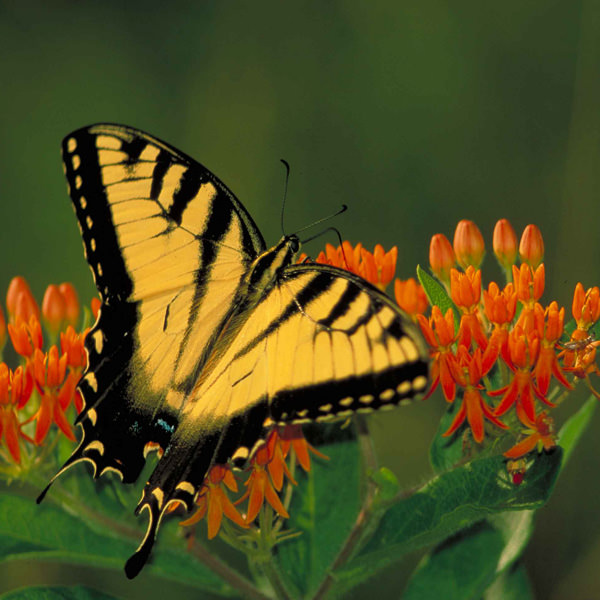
(404, 388)
(95, 445)
(419, 383)
(91, 380)
(160, 497)
(186, 486)
(241, 453)
(92, 415)
(98, 341)
(387, 395)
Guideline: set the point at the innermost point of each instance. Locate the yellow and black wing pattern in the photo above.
(205, 337)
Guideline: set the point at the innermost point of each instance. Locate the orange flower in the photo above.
(529, 284)
(72, 345)
(473, 407)
(260, 487)
(410, 296)
(499, 308)
(505, 243)
(441, 257)
(523, 353)
(586, 306)
(438, 331)
(15, 391)
(213, 501)
(465, 290)
(529, 287)
(468, 244)
(549, 325)
(541, 435)
(379, 266)
(49, 372)
(531, 247)
(292, 439)
(26, 336)
(376, 267)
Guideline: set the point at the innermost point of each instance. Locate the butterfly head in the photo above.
(266, 267)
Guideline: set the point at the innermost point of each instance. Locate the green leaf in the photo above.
(76, 592)
(324, 507)
(446, 452)
(47, 532)
(571, 432)
(473, 561)
(459, 569)
(511, 585)
(447, 504)
(437, 294)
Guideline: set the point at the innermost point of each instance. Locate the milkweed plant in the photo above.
(317, 518)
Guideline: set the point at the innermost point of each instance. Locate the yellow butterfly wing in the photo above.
(168, 245)
(321, 344)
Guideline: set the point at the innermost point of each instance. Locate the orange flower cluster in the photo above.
(504, 335)
(377, 267)
(268, 469)
(40, 389)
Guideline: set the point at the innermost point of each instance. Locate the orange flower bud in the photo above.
(468, 244)
(531, 247)
(72, 302)
(20, 300)
(2, 329)
(505, 243)
(54, 309)
(441, 257)
(410, 296)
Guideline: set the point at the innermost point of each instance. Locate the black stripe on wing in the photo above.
(101, 246)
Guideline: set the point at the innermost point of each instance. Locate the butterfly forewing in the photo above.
(168, 245)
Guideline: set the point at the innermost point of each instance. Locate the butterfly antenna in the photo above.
(335, 214)
(287, 176)
(310, 239)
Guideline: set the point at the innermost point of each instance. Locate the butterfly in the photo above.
(206, 337)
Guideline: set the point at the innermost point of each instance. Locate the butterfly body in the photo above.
(206, 338)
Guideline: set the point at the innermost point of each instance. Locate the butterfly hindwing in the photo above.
(319, 345)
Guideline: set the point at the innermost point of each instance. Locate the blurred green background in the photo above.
(414, 114)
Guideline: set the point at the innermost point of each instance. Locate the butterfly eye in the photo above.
(294, 243)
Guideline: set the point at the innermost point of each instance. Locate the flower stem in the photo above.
(367, 516)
